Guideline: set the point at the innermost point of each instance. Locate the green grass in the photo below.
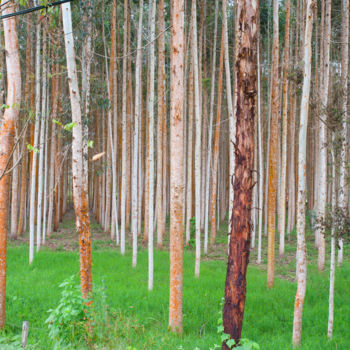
(143, 315)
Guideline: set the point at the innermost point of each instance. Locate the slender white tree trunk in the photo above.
(150, 107)
(36, 140)
(344, 132)
(332, 264)
(15, 190)
(82, 220)
(301, 256)
(261, 160)
(134, 183)
(41, 146)
(197, 160)
(124, 170)
(232, 119)
(322, 173)
(210, 133)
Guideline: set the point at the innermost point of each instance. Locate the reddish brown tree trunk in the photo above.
(246, 75)
(7, 133)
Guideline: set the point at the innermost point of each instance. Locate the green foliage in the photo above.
(31, 148)
(67, 127)
(67, 322)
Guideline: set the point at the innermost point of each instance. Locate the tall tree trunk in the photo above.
(150, 109)
(7, 133)
(332, 262)
(210, 133)
(82, 221)
(55, 92)
(282, 201)
(136, 151)
(42, 143)
(214, 183)
(177, 165)
(301, 247)
(261, 152)
(232, 120)
(123, 184)
(273, 166)
(15, 188)
(246, 63)
(161, 114)
(189, 189)
(36, 140)
(344, 134)
(322, 171)
(197, 159)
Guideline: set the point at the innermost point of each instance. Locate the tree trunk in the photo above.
(322, 171)
(41, 147)
(210, 133)
(138, 97)
(35, 145)
(82, 221)
(282, 201)
(197, 159)
(273, 166)
(246, 63)
(301, 247)
(7, 134)
(124, 102)
(344, 133)
(214, 190)
(161, 115)
(150, 108)
(177, 165)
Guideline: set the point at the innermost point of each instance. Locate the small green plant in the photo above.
(244, 344)
(67, 322)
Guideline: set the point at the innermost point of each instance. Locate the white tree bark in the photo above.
(232, 119)
(322, 171)
(36, 140)
(332, 264)
(261, 160)
(197, 160)
(41, 146)
(301, 248)
(344, 129)
(150, 107)
(124, 161)
(210, 133)
(135, 157)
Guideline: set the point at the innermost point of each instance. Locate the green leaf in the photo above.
(69, 126)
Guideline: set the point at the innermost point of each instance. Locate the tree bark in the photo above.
(177, 165)
(82, 221)
(282, 201)
(301, 247)
(246, 75)
(7, 133)
(273, 166)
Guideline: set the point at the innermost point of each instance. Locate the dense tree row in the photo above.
(221, 111)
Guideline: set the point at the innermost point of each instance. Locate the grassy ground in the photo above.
(142, 316)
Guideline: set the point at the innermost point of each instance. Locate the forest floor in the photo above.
(138, 319)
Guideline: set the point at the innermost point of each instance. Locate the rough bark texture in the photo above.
(246, 63)
(176, 165)
(7, 133)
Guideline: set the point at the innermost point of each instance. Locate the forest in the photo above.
(174, 174)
